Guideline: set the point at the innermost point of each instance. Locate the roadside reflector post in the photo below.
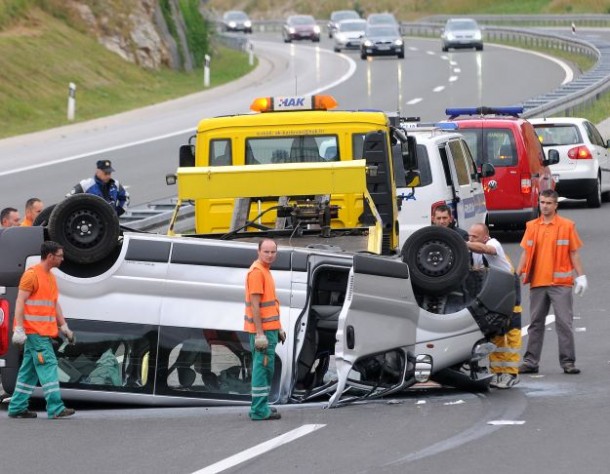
(206, 71)
(71, 101)
(573, 28)
(250, 53)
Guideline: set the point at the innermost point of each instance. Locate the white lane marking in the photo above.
(259, 449)
(414, 101)
(569, 74)
(549, 320)
(457, 70)
(431, 53)
(438, 88)
(453, 78)
(413, 48)
(350, 72)
(453, 63)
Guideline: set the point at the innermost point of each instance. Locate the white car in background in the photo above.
(583, 171)
(349, 34)
(461, 33)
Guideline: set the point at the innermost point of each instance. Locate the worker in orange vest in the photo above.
(37, 318)
(262, 322)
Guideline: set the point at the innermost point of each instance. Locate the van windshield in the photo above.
(491, 145)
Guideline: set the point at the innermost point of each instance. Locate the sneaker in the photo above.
(508, 380)
(527, 369)
(494, 380)
(24, 414)
(570, 369)
(66, 412)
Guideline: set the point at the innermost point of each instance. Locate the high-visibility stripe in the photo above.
(507, 349)
(50, 384)
(563, 242)
(562, 274)
(20, 390)
(36, 318)
(529, 243)
(263, 304)
(40, 303)
(504, 364)
(51, 390)
(26, 385)
(263, 320)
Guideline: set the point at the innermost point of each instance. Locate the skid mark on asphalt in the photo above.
(259, 449)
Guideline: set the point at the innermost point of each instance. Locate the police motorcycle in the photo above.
(159, 318)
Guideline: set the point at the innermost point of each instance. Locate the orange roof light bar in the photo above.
(308, 102)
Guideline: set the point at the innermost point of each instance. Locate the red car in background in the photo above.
(300, 27)
(498, 135)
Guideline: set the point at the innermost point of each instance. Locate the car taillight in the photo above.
(526, 184)
(4, 319)
(580, 153)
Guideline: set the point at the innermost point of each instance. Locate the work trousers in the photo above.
(541, 298)
(263, 364)
(506, 358)
(39, 364)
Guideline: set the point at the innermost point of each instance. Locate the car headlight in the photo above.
(316, 29)
(478, 36)
(247, 24)
(398, 42)
(450, 37)
(368, 43)
(291, 30)
(232, 24)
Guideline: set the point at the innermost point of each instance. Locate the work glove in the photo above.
(281, 335)
(261, 343)
(580, 285)
(65, 330)
(19, 336)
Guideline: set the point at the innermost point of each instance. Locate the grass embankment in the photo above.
(41, 55)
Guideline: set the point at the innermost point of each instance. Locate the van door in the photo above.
(379, 317)
(462, 171)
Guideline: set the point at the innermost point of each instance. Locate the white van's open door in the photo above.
(379, 316)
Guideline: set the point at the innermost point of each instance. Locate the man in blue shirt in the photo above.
(104, 186)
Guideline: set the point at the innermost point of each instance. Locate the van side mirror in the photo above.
(487, 170)
(186, 157)
(552, 158)
(412, 179)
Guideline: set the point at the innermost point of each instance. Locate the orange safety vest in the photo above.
(39, 314)
(563, 270)
(269, 307)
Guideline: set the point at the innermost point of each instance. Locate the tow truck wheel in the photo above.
(437, 258)
(87, 227)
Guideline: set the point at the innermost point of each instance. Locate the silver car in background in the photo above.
(340, 15)
(583, 171)
(349, 34)
(235, 21)
(462, 33)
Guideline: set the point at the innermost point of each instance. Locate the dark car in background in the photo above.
(384, 39)
(462, 33)
(235, 20)
(300, 27)
(340, 15)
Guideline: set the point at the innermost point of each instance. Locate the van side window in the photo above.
(446, 170)
(461, 167)
(220, 153)
(423, 164)
(358, 145)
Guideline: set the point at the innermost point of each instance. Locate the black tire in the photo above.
(86, 226)
(401, 55)
(437, 258)
(445, 49)
(337, 50)
(594, 199)
(363, 56)
(453, 377)
(479, 48)
(44, 216)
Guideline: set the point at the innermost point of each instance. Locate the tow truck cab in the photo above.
(283, 131)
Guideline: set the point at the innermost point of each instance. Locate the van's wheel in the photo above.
(86, 226)
(437, 258)
(594, 199)
(44, 216)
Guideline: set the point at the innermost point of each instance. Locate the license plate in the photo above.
(383, 48)
(556, 178)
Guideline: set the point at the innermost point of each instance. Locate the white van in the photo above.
(448, 175)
